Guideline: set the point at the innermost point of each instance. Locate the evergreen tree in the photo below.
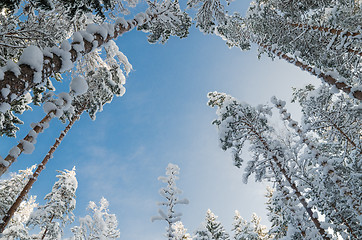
(179, 232)
(17, 228)
(211, 229)
(101, 225)
(59, 207)
(334, 168)
(301, 168)
(252, 230)
(10, 188)
(171, 192)
(279, 224)
(272, 159)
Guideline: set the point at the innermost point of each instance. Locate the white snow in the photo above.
(1, 74)
(3, 162)
(65, 46)
(4, 107)
(12, 96)
(86, 36)
(67, 64)
(78, 85)
(66, 100)
(34, 135)
(33, 57)
(94, 28)
(28, 147)
(49, 106)
(14, 152)
(12, 67)
(121, 21)
(109, 28)
(5, 92)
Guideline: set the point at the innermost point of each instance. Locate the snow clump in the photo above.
(78, 86)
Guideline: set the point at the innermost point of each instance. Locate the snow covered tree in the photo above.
(17, 228)
(300, 169)
(335, 118)
(11, 188)
(211, 229)
(171, 192)
(59, 207)
(321, 37)
(101, 225)
(252, 230)
(179, 232)
(275, 207)
(238, 123)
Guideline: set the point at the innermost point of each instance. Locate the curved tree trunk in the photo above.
(29, 138)
(40, 167)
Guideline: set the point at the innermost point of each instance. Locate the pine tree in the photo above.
(301, 167)
(10, 188)
(272, 159)
(59, 207)
(101, 225)
(179, 232)
(276, 215)
(17, 228)
(335, 118)
(211, 229)
(171, 192)
(252, 230)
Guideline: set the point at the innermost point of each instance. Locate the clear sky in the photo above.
(162, 118)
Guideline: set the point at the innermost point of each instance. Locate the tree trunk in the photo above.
(38, 129)
(40, 167)
(357, 94)
(334, 31)
(46, 229)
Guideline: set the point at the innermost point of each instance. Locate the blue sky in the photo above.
(162, 118)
